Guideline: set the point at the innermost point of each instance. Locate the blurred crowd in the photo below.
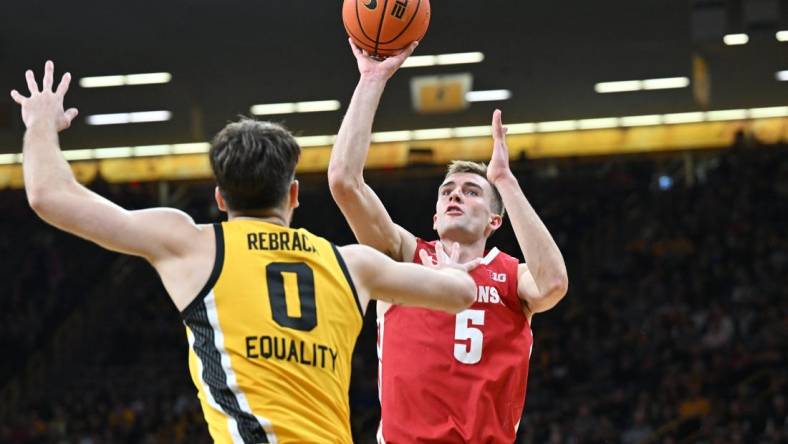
(674, 329)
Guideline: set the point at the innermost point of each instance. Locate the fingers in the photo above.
(409, 50)
(469, 266)
(71, 114)
(499, 131)
(455, 252)
(65, 82)
(425, 258)
(49, 73)
(353, 47)
(18, 98)
(440, 253)
(399, 59)
(31, 82)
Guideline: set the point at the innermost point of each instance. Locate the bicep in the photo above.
(152, 233)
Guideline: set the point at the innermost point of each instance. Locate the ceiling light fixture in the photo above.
(295, 107)
(736, 39)
(488, 96)
(125, 80)
(459, 58)
(125, 118)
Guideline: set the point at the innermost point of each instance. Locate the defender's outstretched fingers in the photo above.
(426, 259)
(31, 82)
(440, 253)
(49, 73)
(469, 266)
(18, 98)
(65, 82)
(455, 252)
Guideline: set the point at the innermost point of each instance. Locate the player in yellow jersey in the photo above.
(272, 312)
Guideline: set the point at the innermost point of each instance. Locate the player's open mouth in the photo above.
(454, 210)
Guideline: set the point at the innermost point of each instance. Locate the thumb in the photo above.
(71, 114)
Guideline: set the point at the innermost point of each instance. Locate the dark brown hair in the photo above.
(254, 163)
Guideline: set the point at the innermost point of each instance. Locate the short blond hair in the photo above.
(478, 168)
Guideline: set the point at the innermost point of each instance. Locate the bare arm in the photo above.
(362, 208)
(56, 196)
(447, 288)
(543, 282)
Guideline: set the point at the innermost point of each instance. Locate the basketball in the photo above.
(385, 27)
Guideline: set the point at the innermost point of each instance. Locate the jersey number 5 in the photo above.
(275, 274)
(469, 352)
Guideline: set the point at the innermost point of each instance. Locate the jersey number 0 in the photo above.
(305, 278)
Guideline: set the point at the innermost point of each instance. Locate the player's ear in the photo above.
(294, 194)
(435, 222)
(220, 202)
(496, 220)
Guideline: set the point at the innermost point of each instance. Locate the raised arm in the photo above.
(445, 285)
(362, 208)
(543, 282)
(56, 196)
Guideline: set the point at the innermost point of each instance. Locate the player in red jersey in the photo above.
(450, 378)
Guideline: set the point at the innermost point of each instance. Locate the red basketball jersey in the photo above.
(461, 378)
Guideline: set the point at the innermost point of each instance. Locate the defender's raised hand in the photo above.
(45, 106)
(450, 260)
(499, 162)
(380, 69)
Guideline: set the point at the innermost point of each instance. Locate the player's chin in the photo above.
(453, 229)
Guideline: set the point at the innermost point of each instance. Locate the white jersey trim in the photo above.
(232, 382)
(491, 255)
(233, 426)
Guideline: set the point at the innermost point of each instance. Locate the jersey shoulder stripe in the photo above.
(348, 278)
(218, 263)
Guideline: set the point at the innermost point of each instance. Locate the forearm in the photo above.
(355, 135)
(45, 169)
(413, 284)
(537, 245)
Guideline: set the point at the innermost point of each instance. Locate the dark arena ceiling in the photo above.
(226, 56)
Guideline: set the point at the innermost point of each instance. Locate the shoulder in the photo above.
(421, 244)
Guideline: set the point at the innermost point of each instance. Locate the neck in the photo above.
(277, 217)
(468, 250)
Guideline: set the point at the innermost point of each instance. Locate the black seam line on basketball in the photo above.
(358, 42)
(349, 280)
(412, 17)
(360, 26)
(218, 264)
(355, 36)
(214, 376)
(380, 26)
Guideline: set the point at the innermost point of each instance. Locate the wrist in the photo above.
(41, 126)
(373, 80)
(506, 179)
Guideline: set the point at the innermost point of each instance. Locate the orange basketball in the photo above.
(385, 27)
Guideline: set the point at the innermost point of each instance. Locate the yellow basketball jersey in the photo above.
(271, 337)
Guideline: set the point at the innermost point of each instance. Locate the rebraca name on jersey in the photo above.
(280, 240)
